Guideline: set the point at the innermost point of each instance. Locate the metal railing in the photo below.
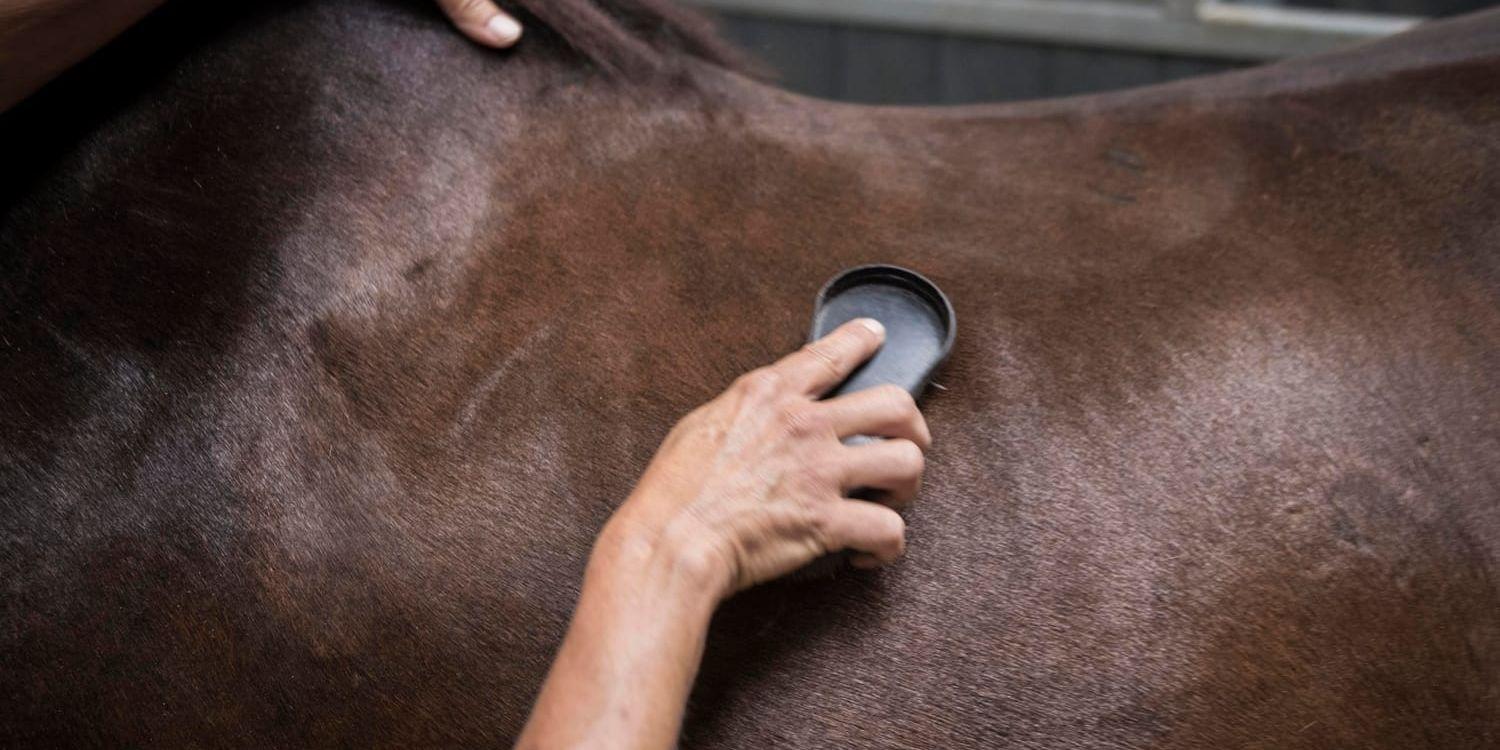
(1199, 28)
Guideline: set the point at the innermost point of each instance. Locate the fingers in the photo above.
(891, 466)
(869, 528)
(883, 411)
(482, 21)
(824, 363)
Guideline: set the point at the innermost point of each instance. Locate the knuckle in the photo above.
(694, 422)
(697, 416)
(905, 407)
(813, 477)
(802, 420)
(813, 516)
(760, 383)
(687, 425)
(826, 355)
(900, 401)
(924, 435)
(910, 457)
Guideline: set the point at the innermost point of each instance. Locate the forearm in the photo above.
(622, 676)
(39, 39)
(748, 487)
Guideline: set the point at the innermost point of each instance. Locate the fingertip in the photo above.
(888, 552)
(891, 542)
(864, 561)
(503, 30)
(874, 326)
(483, 22)
(899, 535)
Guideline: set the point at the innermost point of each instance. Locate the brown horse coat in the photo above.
(328, 341)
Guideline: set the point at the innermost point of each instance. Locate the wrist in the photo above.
(634, 645)
(678, 560)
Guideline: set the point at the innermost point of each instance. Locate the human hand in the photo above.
(482, 21)
(754, 484)
(748, 487)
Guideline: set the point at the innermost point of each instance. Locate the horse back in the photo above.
(330, 348)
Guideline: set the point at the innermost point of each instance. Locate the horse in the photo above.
(330, 340)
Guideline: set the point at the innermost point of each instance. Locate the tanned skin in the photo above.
(40, 39)
(747, 488)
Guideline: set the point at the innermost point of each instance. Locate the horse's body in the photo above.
(329, 346)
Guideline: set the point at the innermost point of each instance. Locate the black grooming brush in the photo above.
(919, 330)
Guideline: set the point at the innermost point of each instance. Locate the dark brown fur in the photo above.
(329, 340)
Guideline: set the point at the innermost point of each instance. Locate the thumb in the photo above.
(481, 21)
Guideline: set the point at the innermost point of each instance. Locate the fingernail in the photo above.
(505, 29)
(874, 326)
